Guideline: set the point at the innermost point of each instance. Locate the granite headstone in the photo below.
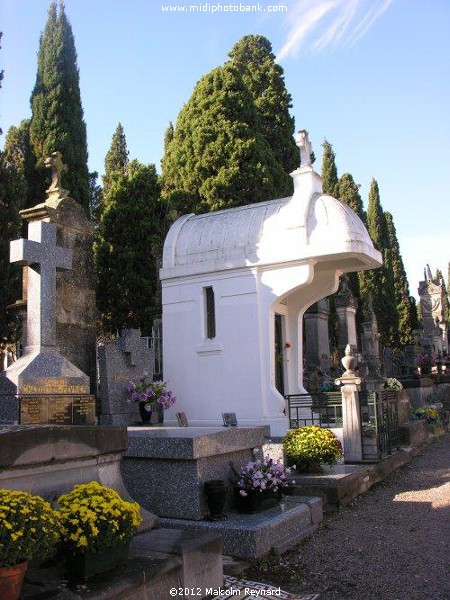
(124, 359)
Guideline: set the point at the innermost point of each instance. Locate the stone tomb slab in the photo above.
(165, 468)
(57, 410)
(252, 536)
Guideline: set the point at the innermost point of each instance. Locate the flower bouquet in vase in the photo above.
(153, 398)
(260, 484)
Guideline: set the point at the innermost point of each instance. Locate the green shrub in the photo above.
(309, 446)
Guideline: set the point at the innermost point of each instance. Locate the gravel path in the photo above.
(393, 543)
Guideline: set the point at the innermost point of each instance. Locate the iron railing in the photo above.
(379, 423)
(323, 409)
(380, 431)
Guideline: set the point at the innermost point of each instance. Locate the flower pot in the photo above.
(146, 415)
(11, 581)
(88, 564)
(216, 496)
(154, 416)
(256, 501)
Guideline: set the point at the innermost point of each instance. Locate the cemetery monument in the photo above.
(228, 276)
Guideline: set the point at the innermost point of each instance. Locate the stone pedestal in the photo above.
(351, 413)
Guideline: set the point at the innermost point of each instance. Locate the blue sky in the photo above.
(370, 76)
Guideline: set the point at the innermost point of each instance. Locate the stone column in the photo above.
(351, 414)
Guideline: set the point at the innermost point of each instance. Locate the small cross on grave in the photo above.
(131, 343)
(43, 257)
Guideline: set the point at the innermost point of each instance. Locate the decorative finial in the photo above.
(349, 361)
(55, 163)
(302, 141)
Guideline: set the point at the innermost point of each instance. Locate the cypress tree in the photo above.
(127, 249)
(116, 159)
(404, 335)
(168, 135)
(264, 78)
(217, 157)
(379, 283)
(330, 182)
(57, 114)
(12, 198)
(348, 192)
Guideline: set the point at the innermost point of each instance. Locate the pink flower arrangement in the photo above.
(260, 475)
(149, 393)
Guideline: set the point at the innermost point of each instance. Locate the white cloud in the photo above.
(326, 23)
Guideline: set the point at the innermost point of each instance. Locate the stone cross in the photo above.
(43, 257)
(130, 342)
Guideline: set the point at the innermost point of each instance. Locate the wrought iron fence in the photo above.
(379, 423)
(380, 429)
(323, 409)
(155, 343)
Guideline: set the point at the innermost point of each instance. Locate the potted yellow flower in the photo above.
(97, 526)
(29, 529)
(308, 447)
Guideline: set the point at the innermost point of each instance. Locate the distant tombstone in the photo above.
(122, 360)
(317, 346)
(371, 348)
(346, 305)
(434, 306)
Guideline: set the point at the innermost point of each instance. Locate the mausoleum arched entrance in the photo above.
(285, 322)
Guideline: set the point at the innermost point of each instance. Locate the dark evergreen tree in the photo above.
(19, 155)
(404, 335)
(348, 192)
(330, 182)
(1, 74)
(264, 78)
(127, 249)
(12, 198)
(379, 283)
(116, 159)
(57, 114)
(168, 135)
(217, 157)
(95, 197)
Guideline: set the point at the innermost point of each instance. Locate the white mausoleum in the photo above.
(235, 286)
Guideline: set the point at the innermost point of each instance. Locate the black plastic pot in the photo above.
(216, 496)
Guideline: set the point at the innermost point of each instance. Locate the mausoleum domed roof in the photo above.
(307, 226)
